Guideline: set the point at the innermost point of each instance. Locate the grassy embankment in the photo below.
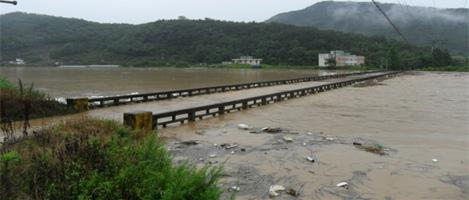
(93, 159)
(15, 101)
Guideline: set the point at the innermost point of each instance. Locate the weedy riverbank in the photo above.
(94, 159)
(24, 102)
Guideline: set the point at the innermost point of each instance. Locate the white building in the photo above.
(341, 59)
(18, 61)
(247, 60)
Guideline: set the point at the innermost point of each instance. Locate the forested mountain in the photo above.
(446, 28)
(44, 39)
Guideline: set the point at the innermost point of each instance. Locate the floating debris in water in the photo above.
(293, 192)
(342, 184)
(243, 126)
(229, 146)
(190, 142)
(271, 130)
(287, 139)
(274, 189)
(234, 189)
(372, 148)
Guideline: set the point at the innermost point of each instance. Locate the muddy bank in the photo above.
(419, 119)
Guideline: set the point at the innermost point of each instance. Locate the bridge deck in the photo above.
(115, 113)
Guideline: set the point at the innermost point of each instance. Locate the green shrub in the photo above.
(94, 159)
(4, 83)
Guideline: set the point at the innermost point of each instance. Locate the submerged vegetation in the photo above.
(92, 159)
(20, 102)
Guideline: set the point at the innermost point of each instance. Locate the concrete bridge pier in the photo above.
(80, 104)
(139, 120)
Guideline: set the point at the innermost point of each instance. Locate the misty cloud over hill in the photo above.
(447, 28)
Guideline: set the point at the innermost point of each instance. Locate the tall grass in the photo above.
(93, 159)
(20, 102)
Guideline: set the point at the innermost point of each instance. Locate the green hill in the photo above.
(41, 39)
(446, 28)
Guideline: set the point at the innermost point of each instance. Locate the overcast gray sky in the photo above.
(141, 11)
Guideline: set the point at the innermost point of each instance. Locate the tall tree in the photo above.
(393, 59)
(440, 58)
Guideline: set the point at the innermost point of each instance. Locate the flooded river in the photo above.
(105, 81)
(420, 119)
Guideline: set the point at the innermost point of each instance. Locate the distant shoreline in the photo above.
(264, 66)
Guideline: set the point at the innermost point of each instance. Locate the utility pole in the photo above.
(10, 2)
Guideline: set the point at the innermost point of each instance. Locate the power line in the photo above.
(10, 2)
(389, 20)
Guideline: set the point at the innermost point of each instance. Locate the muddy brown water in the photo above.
(417, 117)
(420, 116)
(104, 81)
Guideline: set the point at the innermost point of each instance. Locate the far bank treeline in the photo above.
(41, 39)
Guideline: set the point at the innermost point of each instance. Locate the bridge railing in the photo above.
(154, 96)
(192, 114)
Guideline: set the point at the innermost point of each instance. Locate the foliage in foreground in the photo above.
(18, 102)
(4, 83)
(93, 159)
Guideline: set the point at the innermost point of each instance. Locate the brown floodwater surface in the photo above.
(105, 81)
(418, 116)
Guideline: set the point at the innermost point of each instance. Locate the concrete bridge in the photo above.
(169, 108)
